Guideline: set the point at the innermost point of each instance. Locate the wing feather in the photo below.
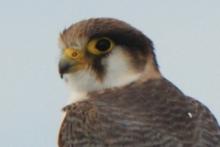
(152, 114)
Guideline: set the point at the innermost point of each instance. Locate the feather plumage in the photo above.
(149, 114)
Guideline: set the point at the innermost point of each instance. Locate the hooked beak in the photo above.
(64, 67)
(71, 61)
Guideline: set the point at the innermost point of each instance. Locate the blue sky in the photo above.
(186, 37)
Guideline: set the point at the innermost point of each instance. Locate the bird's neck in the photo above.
(84, 82)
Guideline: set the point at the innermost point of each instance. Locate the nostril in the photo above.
(74, 54)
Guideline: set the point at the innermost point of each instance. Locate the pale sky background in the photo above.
(186, 35)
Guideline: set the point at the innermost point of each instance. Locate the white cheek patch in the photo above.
(119, 69)
(118, 73)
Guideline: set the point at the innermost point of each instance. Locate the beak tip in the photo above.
(63, 68)
(61, 76)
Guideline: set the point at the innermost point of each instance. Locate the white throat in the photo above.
(118, 73)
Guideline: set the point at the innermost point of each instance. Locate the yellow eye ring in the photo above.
(99, 46)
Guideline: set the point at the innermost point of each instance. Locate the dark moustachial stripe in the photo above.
(98, 68)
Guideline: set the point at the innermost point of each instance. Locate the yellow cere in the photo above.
(73, 53)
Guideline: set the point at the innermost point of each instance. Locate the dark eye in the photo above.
(103, 44)
(99, 46)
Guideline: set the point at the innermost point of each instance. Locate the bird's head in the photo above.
(102, 53)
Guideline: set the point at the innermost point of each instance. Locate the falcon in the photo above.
(119, 98)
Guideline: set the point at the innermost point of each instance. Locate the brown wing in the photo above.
(151, 114)
(207, 129)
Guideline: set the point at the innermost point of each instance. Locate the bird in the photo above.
(119, 97)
